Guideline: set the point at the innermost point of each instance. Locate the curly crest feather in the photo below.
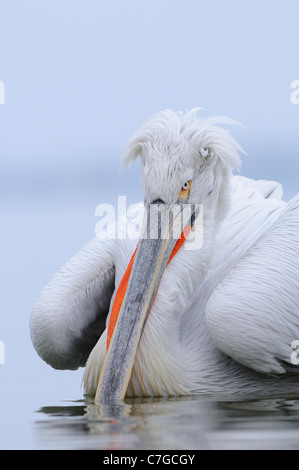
(168, 132)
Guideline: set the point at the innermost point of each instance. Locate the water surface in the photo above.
(174, 423)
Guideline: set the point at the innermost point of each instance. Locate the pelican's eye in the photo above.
(184, 192)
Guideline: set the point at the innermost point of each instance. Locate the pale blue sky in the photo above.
(81, 76)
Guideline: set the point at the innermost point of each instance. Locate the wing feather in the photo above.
(70, 313)
(253, 313)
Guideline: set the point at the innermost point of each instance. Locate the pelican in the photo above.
(160, 315)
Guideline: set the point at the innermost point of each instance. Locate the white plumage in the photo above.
(225, 315)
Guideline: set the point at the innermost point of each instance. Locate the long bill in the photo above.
(163, 231)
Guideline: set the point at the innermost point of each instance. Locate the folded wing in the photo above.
(253, 312)
(69, 315)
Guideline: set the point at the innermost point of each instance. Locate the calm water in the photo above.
(177, 424)
(41, 408)
(187, 423)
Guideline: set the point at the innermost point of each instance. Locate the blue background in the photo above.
(80, 76)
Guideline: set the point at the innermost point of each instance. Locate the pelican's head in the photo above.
(176, 148)
(186, 162)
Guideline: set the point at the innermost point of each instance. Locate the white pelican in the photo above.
(221, 318)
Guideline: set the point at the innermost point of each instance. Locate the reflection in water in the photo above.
(172, 423)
